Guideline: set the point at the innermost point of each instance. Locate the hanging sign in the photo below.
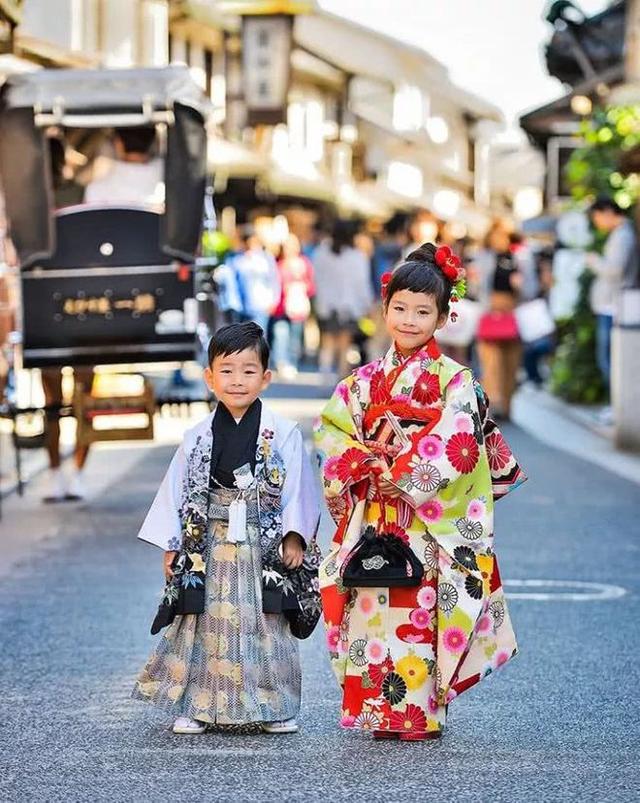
(266, 67)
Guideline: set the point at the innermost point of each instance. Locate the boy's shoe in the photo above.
(287, 726)
(188, 725)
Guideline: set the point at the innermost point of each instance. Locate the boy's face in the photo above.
(412, 319)
(237, 380)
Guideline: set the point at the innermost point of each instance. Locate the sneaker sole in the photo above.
(188, 731)
(292, 729)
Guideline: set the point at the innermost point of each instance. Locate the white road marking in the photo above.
(580, 591)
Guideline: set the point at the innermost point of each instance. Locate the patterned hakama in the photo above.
(233, 664)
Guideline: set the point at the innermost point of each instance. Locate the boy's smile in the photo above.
(237, 380)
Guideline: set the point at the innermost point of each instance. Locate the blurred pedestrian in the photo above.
(62, 487)
(617, 269)
(409, 453)
(499, 280)
(423, 228)
(258, 278)
(343, 295)
(236, 514)
(136, 176)
(298, 288)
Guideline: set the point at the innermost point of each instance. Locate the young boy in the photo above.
(240, 489)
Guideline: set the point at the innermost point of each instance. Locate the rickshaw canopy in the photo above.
(95, 99)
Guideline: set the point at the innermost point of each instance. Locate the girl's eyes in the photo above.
(420, 312)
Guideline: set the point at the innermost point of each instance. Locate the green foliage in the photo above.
(594, 168)
(575, 376)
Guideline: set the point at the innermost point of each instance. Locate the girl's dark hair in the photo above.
(420, 274)
(237, 337)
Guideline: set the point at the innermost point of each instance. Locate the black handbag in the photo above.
(293, 592)
(381, 560)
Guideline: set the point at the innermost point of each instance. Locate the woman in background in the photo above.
(343, 295)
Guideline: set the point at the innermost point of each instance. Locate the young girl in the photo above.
(234, 514)
(409, 453)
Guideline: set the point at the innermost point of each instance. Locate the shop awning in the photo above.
(233, 160)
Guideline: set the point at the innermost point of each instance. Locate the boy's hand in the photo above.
(292, 550)
(167, 561)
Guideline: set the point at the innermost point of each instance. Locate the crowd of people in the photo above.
(506, 327)
(335, 281)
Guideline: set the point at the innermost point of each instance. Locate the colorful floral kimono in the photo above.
(227, 658)
(418, 429)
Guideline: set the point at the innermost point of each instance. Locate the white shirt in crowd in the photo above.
(129, 184)
(343, 283)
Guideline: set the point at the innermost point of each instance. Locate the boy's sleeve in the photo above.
(300, 498)
(161, 526)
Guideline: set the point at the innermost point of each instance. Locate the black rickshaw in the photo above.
(104, 284)
(110, 283)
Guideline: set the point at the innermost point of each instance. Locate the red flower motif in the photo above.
(384, 282)
(378, 390)
(462, 451)
(378, 672)
(395, 529)
(352, 465)
(448, 262)
(427, 388)
(412, 720)
(498, 453)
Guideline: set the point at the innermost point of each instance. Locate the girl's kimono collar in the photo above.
(395, 363)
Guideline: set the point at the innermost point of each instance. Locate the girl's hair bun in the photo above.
(425, 253)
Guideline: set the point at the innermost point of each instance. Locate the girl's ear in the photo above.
(442, 319)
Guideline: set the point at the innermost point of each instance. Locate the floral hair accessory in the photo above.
(384, 282)
(452, 268)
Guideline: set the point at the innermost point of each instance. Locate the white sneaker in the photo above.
(287, 726)
(188, 725)
(76, 487)
(56, 487)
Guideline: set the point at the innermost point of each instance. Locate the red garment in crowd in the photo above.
(298, 287)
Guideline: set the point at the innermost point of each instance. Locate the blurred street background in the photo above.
(169, 166)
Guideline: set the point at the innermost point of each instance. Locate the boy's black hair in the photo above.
(237, 337)
(604, 203)
(420, 274)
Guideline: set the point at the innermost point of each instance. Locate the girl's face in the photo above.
(412, 319)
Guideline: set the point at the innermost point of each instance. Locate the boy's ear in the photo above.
(208, 377)
(266, 378)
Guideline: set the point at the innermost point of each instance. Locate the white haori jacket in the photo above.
(164, 524)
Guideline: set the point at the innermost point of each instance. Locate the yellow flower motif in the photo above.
(224, 552)
(203, 699)
(197, 564)
(174, 693)
(413, 670)
(149, 688)
(178, 671)
(193, 531)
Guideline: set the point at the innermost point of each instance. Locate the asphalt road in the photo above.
(560, 723)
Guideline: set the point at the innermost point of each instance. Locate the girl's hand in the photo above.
(292, 550)
(167, 561)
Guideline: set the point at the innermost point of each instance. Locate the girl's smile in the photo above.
(412, 319)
